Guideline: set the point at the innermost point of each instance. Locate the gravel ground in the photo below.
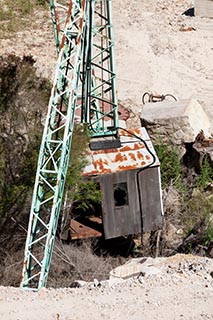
(158, 49)
(183, 289)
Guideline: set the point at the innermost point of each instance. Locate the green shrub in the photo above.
(42, 2)
(206, 175)
(170, 165)
(19, 147)
(17, 14)
(208, 235)
(196, 213)
(24, 6)
(81, 191)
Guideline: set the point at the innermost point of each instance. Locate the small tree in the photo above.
(79, 192)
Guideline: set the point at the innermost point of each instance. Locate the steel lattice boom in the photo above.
(83, 90)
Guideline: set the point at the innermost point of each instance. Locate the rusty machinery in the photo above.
(84, 91)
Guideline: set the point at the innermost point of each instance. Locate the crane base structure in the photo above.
(83, 92)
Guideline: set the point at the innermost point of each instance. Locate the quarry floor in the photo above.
(158, 49)
(183, 289)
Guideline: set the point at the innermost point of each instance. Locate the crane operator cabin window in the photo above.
(120, 194)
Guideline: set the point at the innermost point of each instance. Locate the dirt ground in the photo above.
(158, 49)
(183, 289)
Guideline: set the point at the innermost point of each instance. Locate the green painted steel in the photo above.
(99, 99)
(83, 91)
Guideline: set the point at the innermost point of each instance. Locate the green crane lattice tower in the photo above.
(83, 91)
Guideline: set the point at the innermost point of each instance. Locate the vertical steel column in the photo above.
(100, 92)
(54, 153)
(84, 80)
(97, 96)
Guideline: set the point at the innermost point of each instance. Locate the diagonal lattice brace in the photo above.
(83, 89)
(99, 93)
(96, 92)
(54, 153)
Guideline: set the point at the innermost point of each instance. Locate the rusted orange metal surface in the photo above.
(80, 231)
(123, 113)
(202, 144)
(133, 154)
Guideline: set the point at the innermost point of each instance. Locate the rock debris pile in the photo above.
(181, 289)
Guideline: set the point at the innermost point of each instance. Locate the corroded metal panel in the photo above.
(143, 208)
(130, 181)
(80, 231)
(136, 152)
(151, 199)
(123, 219)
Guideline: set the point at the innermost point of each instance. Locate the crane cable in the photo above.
(137, 175)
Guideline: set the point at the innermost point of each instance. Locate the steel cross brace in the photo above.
(84, 81)
(54, 154)
(97, 88)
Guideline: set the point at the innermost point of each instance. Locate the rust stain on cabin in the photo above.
(119, 157)
(133, 154)
(126, 148)
(140, 155)
(126, 168)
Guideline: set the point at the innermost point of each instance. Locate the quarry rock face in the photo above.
(175, 121)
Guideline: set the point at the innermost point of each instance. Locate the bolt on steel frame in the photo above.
(84, 86)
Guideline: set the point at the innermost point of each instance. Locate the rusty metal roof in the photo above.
(80, 231)
(133, 154)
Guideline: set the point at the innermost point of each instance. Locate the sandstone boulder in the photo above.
(175, 121)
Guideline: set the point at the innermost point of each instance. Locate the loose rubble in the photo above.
(158, 49)
(182, 289)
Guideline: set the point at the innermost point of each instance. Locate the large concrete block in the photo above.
(178, 121)
(204, 8)
(146, 266)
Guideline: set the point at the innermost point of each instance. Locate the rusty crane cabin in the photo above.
(129, 178)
